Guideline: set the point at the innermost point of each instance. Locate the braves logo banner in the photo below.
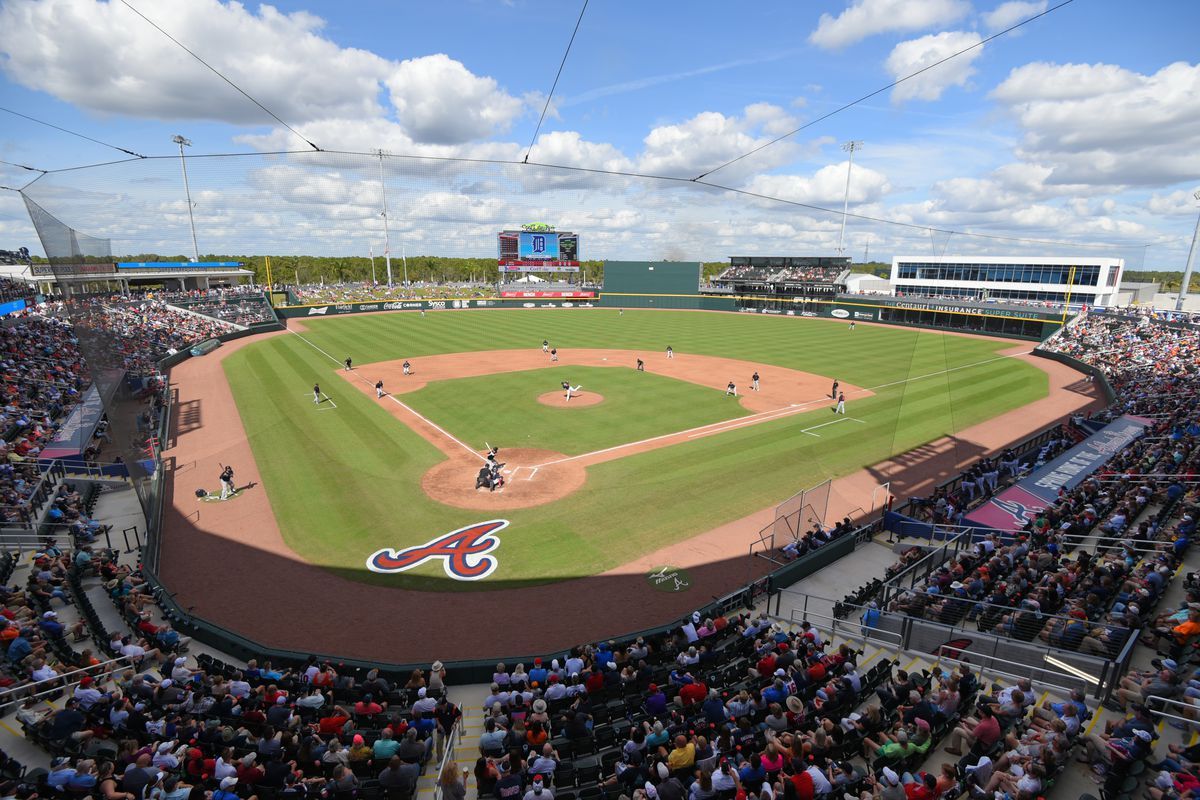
(1013, 507)
(464, 553)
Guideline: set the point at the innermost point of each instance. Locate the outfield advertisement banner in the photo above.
(1018, 504)
(538, 295)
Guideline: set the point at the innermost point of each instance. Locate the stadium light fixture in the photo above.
(387, 245)
(1191, 263)
(182, 142)
(849, 147)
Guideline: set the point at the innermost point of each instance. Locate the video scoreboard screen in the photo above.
(538, 251)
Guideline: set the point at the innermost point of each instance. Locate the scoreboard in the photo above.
(538, 250)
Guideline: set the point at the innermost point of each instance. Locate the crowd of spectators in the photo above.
(134, 336)
(369, 293)
(808, 274)
(44, 378)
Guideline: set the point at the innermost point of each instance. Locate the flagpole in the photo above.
(373, 281)
(404, 257)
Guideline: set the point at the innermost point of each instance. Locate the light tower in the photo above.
(387, 244)
(849, 147)
(1191, 263)
(181, 141)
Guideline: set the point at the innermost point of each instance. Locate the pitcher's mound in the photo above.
(558, 399)
(527, 484)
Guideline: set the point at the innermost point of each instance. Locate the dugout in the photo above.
(652, 277)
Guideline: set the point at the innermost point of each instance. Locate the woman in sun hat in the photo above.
(436, 679)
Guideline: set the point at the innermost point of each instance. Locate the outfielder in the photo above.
(851, 325)
(841, 404)
(754, 381)
(731, 390)
(407, 368)
(379, 388)
(316, 394)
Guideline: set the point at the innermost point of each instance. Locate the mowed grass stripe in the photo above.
(345, 484)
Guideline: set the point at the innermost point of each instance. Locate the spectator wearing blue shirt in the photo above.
(19, 649)
(869, 618)
(656, 702)
(51, 626)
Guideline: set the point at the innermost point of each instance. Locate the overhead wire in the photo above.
(73, 133)
(22, 166)
(218, 73)
(924, 229)
(883, 89)
(553, 86)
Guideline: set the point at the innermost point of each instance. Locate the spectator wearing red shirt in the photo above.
(766, 665)
(335, 722)
(693, 693)
(981, 734)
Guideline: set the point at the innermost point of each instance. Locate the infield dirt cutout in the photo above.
(536, 477)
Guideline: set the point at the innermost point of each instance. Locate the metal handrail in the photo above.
(447, 757)
(834, 622)
(991, 670)
(22, 692)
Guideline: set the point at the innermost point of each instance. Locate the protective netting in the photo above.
(122, 375)
(330, 204)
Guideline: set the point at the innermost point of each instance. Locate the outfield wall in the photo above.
(1031, 325)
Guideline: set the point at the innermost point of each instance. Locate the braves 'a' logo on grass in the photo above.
(464, 552)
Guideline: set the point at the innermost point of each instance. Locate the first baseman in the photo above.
(316, 394)
(379, 388)
(841, 404)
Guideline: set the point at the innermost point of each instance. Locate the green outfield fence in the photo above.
(1009, 323)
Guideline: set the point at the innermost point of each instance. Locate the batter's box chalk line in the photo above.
(515, 470)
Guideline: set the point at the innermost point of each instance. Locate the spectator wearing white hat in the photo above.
(424, 704)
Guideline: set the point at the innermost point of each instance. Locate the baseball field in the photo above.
(636, 461)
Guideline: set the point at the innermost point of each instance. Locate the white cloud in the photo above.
(102, 57)
(827, 186)
(439, 101)
(1103, 125)
(1008, 14)
(1179, 203)
(908, 57)
(865, 18)
(710, 139)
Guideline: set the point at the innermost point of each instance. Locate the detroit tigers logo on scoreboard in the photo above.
(464, 552)
(539, 244)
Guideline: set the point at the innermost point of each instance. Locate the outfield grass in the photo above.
(504, 409)
(345, 482)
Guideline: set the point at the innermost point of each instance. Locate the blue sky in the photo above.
(1080, 128)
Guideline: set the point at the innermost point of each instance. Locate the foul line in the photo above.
(770, 416)
(834, 422)
(392, 397)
